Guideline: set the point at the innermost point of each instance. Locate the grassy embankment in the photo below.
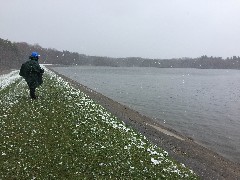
(66, 135)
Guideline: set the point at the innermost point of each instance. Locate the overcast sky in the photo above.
(126, 28)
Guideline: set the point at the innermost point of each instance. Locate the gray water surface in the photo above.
(199, 103)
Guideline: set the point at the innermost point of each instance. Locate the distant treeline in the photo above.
(12, 55)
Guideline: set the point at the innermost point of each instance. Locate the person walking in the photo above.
(32, 73)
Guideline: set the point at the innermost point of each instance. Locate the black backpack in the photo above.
(25, 69)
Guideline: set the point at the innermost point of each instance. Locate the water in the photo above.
(201, 104)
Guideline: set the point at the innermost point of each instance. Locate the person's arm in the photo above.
(41, 70)
(37, 68)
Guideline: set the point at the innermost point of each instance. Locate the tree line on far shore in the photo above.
(13, 54)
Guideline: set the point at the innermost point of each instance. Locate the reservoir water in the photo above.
(203, 104)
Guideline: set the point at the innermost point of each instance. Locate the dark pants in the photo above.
(33, 82)
(32, 93)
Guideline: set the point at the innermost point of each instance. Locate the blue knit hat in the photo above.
(35, 55)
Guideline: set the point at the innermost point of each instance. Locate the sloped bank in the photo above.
(64, 134)
(206, 163)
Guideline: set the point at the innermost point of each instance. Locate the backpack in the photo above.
(25, 69)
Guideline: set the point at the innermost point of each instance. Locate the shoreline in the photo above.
(2, 72)
(206, 163)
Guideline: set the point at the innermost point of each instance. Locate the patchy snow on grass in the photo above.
(66, 134)
(7, 79)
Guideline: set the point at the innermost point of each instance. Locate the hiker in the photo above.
(32, 73)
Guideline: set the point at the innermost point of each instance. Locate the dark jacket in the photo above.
(32, 73)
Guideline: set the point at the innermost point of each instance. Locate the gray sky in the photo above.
(126, 28)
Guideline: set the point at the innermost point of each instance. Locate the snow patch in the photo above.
(9, 78)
